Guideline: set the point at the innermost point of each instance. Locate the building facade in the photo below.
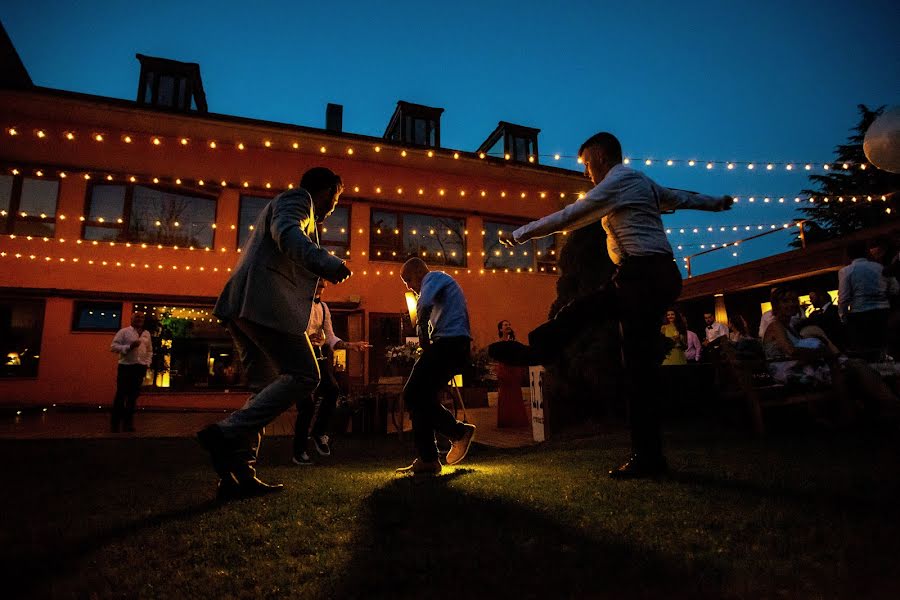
(110, 206)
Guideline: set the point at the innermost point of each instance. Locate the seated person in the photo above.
(812, 362)
(825, 317)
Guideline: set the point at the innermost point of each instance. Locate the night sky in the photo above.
(756, 81)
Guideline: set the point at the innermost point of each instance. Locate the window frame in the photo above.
(400, 245)
(78, 305)
(128, 204)
(13, 215)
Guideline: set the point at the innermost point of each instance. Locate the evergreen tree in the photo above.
(841, 215)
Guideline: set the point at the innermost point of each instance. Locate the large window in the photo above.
(21, 326)
(28, 205)
(251, 207)
(191, 349)
(334, 233)
(97, 316)
(538, 255)
(138, 213)
(396, 236)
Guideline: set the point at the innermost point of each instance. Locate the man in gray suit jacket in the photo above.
(266, 306)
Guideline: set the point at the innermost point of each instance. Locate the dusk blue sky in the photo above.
(762, 81)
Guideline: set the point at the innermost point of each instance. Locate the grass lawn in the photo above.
(809, 516)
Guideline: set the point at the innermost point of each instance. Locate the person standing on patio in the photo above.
(135, 348)
(445, 340)
(511, 411)
(647, 280)
(266, 307)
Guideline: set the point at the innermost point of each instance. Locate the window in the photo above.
(142, 214)
(21, 326)
(191, 349)
(171, 84)
(415, 124)
(536, 255)
(334, 233)
(497, 256)
(97, 316)
(546, 253)
(28, 205)
(398, 236)
(251, 207)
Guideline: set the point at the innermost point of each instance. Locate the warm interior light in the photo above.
(411, 300)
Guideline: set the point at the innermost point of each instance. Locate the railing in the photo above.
(798, 224)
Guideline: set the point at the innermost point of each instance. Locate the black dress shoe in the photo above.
(231, 489)
(639, 467)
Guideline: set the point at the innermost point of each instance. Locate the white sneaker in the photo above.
(323, 447)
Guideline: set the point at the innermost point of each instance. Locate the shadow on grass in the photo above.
(433, 539)
(867, 499)
(34, 573)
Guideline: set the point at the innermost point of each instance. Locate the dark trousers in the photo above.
(439, 362)
(128, 386)
(644, 287)
(868, 331)
(283, 368)
(325, 399)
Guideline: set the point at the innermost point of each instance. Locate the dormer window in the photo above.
(171, 84)
(514, 142)
(416, 125)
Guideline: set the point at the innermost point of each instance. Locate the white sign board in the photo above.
(536, 383)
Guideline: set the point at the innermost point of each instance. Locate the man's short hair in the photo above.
(607, 142)
(318, 179)
(856, 250)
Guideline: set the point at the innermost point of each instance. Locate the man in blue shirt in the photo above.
(445, 338)
(629, 206)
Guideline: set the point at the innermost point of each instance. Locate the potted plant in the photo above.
(400, 359)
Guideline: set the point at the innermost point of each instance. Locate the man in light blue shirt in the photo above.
(647, 281)
(445, 338)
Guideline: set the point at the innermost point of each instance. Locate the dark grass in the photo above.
(807, 516)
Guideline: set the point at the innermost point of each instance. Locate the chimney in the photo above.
(334, 117)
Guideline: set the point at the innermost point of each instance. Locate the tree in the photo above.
(840, 215)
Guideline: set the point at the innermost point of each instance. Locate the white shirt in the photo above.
(141, 355)
(628, 203)
(320, 323)
(862, 287)
(715, 331)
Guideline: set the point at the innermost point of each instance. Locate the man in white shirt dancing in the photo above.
(714, 329)
(135, 348)
(629, 205)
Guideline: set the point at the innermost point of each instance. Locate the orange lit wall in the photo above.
(78, 368)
